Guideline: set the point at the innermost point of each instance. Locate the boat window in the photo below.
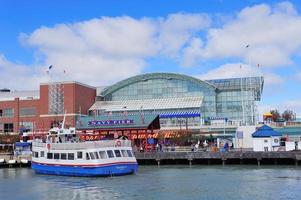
(110, 154)
(36, 154)
(103, 155)
(96, 155)
(49, 156)
(56, 156)
(79, 155)
(117, 153)
(63, 156)
(92, 156)
(42, 153)
(70, 156)
(124, 153)
(87, 156)
(130, 153)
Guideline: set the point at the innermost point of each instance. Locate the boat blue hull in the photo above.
(108, 170)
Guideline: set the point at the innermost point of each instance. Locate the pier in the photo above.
(18, 161)
(219, 158)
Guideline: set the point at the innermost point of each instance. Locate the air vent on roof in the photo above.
(4, 90)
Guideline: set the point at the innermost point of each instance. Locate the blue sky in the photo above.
(101, 42)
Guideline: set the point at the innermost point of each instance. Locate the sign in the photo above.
(90, 137)
(110, 122)
(275, 141)
(239, 134)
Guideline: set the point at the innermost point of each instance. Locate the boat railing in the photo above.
(84, 145)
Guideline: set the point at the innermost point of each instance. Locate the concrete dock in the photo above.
(222, 158)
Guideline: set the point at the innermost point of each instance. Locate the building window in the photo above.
(110, 154)
(63, 156)
(117, 153)
(96, 155)
(70, 156)
(79, 155)
(49, 155)
(26, 126)
(56, 156)
(130, 154)
(1, 127)
(92, 156)
(36, 154)
(7, 112)
(124, 153)
(28, 112)
(103, 155)
(8, 128)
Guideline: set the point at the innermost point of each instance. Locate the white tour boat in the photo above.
(63, 153)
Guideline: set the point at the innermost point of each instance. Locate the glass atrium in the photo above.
(183, 101)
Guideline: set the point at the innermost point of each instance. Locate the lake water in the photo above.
(164, 182)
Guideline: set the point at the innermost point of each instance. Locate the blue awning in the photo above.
(23, 144)
(265, 131)
(180, 114)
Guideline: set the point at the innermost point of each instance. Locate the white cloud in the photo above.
(179, 29)
(235, 70)
(273, 33)
(105, 50)
(17, 76)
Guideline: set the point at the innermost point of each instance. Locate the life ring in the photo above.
(48, 146)
(118, 143)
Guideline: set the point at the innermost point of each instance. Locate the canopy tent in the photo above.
(265, 131)
(267, 114)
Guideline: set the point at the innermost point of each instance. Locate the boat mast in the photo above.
(64, 120)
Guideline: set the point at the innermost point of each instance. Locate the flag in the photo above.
(50, 67)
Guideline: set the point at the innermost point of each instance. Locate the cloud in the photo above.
(17, 76)
(104, 50)
(234, 70)
(108, 49)
(273, 34)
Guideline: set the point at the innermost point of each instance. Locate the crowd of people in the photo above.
(161, 146)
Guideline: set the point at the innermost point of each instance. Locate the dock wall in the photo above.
(223, 158)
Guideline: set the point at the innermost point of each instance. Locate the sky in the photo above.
(102, 42)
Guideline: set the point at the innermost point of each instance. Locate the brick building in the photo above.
(41, 109)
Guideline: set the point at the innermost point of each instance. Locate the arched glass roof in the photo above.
(145, 77)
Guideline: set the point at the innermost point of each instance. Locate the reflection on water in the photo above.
(166, 182)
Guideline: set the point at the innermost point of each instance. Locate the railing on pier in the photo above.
(84, 145)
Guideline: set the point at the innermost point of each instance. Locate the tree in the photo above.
(288, 115)
(275, 115)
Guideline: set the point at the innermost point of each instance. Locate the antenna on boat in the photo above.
(64, 120)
